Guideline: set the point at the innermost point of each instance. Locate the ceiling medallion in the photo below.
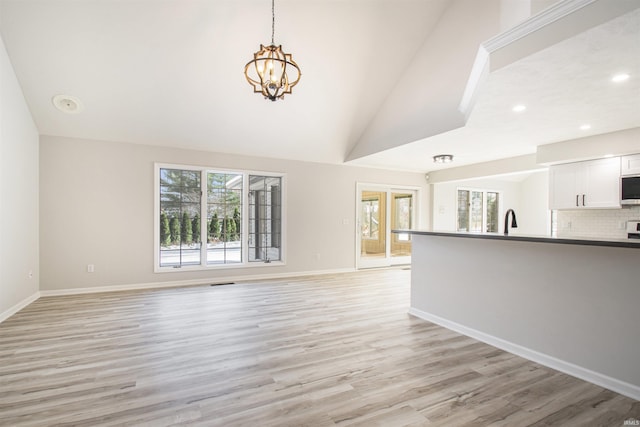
(443, 158)
(272, 72)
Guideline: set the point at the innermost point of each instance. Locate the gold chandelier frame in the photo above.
(272, 72)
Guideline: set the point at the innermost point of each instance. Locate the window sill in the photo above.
(219, 267)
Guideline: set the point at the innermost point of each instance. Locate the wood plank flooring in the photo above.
(316, 351)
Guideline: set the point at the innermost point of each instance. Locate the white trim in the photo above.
(218, 267)
(193, 282)
(542, 19)
(484, 192)
(156, 216)
(19, 306)
(387, 188)
(613, 384)
(203, 266)
(479, 73)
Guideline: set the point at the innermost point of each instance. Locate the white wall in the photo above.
(572, 307)
(540, 5)
(96, 207)
(528, 198)
(534, 216)
(513, 12)
(18, 194)
(617, 143)
(433, 83)
(445, 200)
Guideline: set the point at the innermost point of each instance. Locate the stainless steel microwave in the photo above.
(630, 190)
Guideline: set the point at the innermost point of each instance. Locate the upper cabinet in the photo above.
(631, 165)
(582, 185)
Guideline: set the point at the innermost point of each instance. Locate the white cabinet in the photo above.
(592, 184)
(602, 183)
(631, 165)
(563, 186)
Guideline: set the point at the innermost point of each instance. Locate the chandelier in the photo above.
(272, 72)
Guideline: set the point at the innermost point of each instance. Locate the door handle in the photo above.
(583, 199)
(577, 196)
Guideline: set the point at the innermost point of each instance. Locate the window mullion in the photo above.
(204, 224)
(484, 209)
(244, 235)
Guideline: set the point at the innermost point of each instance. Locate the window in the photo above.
(493, 209)
(224, 220)
(179, 213)
(478, 211)
(208, 218)
(265, 223)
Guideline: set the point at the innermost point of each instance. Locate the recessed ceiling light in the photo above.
(585, 127)
(67, 104)
(519, 108)
(620, 77)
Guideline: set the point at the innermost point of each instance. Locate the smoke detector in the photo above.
(67, 104)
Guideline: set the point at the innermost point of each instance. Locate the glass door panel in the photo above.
(401, 219)
(373, 236)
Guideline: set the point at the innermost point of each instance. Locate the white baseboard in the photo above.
(613, 384)
(19, 306)
(193, 282)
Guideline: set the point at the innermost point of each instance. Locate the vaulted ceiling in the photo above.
(382, 80)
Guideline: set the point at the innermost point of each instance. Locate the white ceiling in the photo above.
(563, 87)
(169, 72)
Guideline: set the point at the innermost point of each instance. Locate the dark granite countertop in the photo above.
(618, 243)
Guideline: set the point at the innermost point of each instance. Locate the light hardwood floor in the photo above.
(316, 351)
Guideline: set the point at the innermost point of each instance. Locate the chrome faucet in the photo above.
(514, 224)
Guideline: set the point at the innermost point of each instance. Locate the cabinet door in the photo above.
(631, 165)
(563, 186)
(602, 183)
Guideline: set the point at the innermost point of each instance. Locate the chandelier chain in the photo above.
(273, 20)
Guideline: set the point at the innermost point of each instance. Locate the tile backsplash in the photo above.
(601, 223)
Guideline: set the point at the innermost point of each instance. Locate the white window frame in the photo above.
(245, 263)
(484, 192)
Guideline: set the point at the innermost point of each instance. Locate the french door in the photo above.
(380, 210)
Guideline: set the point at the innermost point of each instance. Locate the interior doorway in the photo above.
(380, 210)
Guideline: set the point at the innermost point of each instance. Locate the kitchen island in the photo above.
(573, 305)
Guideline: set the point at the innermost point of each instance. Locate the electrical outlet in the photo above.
(90, 268)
